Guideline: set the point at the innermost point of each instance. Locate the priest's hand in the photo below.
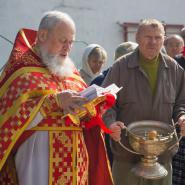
(70, 101)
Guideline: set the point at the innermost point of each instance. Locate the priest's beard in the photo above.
(57, 65)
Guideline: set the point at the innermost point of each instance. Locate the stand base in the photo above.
(155, 171)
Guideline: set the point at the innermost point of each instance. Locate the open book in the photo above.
(94, 91)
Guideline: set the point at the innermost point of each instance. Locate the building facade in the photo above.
(98, 21)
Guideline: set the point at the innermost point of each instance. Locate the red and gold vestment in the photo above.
(76, 154)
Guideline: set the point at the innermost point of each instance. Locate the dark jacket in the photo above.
(99, 79)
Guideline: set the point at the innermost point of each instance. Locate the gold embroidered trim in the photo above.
(62, 128)
(19, 101)
(50, 157)
(33, 113)
(20, 72)
(26, 40)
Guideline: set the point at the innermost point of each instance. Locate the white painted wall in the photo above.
(96, 20)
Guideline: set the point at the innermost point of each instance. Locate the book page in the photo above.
(94, 91)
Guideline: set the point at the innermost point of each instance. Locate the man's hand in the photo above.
(116, 128)
(70, 101)
(181, 122)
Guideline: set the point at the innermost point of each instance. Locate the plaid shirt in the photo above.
(179, 165)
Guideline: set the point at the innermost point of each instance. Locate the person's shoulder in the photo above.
(169, 60)
(125, 59)
(179, 58)
(172, 63)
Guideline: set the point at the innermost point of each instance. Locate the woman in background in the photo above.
(93, 60)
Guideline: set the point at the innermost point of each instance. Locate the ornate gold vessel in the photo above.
(150, 139)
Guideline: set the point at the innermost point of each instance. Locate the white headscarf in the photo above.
(85, 64)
